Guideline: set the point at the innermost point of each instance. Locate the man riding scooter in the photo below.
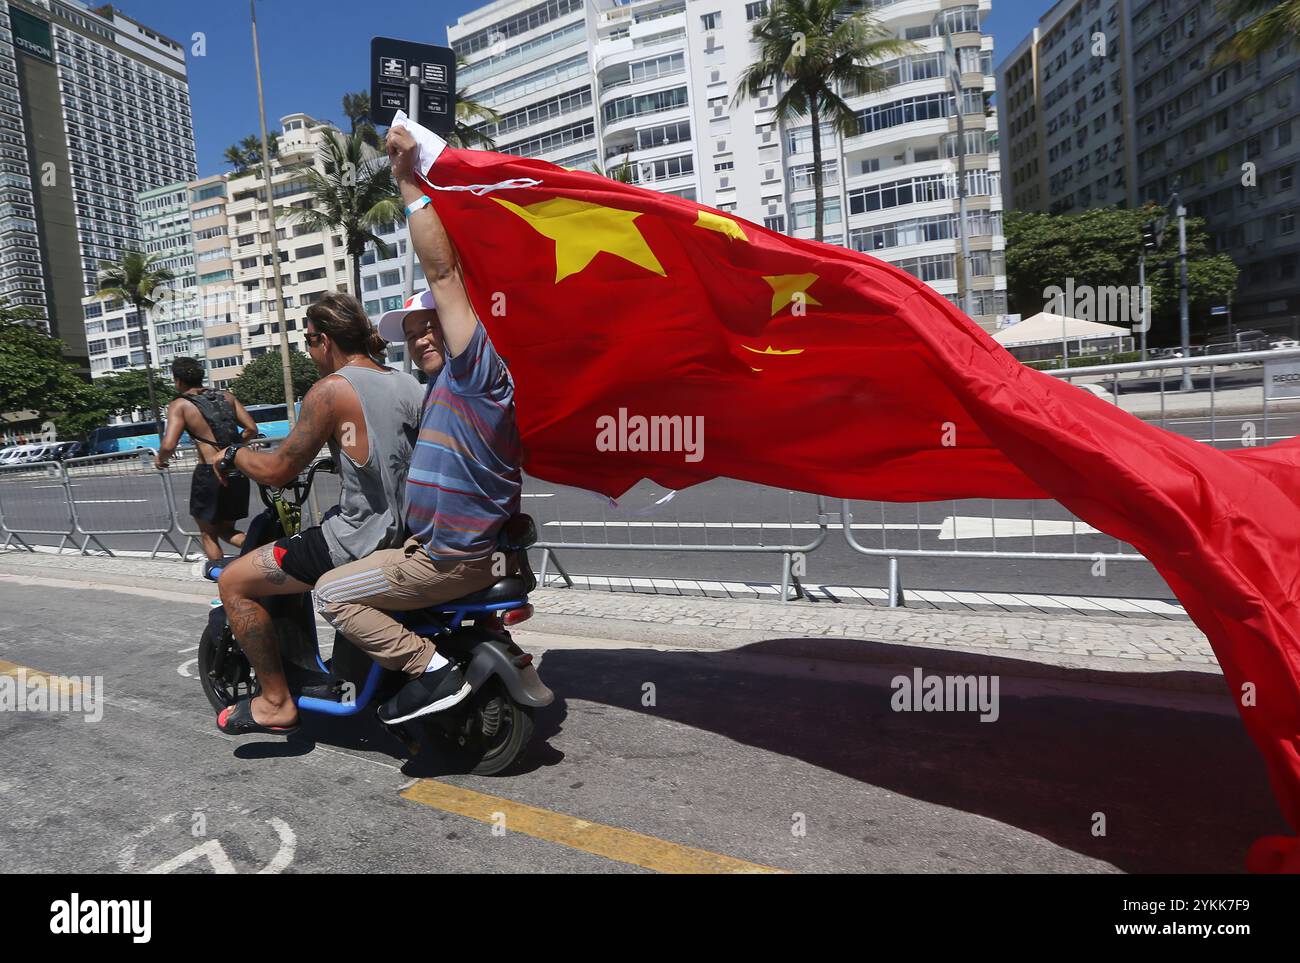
(465, 477)
(368, 415)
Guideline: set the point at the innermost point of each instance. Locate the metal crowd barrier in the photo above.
(23, 512)
(925, 535)
(1246, 375)
(100, 510)
(785, 523)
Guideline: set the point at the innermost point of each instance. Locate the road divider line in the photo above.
(620, 845)
(70, 686)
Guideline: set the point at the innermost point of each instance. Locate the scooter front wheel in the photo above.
(224, 671)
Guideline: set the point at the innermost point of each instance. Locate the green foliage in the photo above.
(1269, 23)
(127, 391)
(356, 108)
(262, 381)
(813, 52)
(247, 154)
(34, 377)
(1100, 248)
(354, 193)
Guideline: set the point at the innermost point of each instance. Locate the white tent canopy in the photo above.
(1044, 328)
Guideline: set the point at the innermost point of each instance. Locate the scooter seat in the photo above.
(512, 588)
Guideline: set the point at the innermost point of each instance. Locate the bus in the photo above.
(272, 422)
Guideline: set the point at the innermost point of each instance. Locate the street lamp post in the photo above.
(286, 368)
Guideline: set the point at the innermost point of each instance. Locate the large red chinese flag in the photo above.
(817, 368)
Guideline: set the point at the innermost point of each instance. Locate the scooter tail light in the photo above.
(521, 614)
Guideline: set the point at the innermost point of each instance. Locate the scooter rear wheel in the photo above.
(492, 731)
(224, 671)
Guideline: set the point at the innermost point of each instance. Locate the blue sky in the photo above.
(314, 52)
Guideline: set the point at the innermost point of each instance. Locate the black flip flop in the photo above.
(237, 720)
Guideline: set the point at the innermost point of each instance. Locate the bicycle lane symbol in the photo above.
(209, 855)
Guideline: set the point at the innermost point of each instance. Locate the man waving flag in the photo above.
(635, 322)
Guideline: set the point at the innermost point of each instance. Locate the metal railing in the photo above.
(22, 512)
(98, 517)
(679, 522)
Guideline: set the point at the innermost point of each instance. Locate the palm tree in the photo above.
(356, 108)
(353, 191)
(247, 154)
(812, 50)
(138, 281)
(622, 172)
(1277, 21)
(468, 112)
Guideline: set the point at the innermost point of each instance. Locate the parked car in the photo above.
(1285, 344)
(69, 449)
(20, 454)
(1247, 340)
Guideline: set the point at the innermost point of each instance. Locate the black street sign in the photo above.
(391, 62)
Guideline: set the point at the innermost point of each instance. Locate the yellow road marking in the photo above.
(53, 682)
(621, 845)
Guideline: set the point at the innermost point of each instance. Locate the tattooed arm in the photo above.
(316, 425)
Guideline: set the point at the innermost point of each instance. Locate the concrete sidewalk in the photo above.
(811, 638)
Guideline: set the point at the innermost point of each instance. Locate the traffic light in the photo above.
(1149, 235)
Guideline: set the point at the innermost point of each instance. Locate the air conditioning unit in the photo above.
(723, 183)
(722, 146)
(771, 208)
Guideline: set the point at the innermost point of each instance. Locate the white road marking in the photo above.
(184, 668)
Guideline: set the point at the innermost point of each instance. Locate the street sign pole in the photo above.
(408, 274)
(419, 78)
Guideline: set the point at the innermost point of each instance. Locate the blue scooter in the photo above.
(489, 729)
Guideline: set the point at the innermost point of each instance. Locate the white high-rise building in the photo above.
(653, 83)
(94, 109)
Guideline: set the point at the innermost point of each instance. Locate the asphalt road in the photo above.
(732, 757)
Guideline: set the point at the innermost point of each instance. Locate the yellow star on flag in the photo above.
(723, 225)
(785, 287)
(582, 230)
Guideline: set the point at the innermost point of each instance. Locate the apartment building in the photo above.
(1225, 136)
(312, 262)
(94, 109)
(1065, 95)
(173, 324)
(217, 306)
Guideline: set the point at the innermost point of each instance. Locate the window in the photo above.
(803, 212)
(711, 21)
(775, 222)
(1284, 178)
(755, 10)
(390, 278)
(315, 275)
(1286, 223)
(312, 250)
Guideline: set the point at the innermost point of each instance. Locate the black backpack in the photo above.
(218, 413)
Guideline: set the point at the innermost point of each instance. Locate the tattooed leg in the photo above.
(252, 577)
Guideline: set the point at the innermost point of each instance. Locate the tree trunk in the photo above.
(148, 365)
(356, 275)
(819, 198)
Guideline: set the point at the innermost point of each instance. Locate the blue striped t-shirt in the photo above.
(465, 477)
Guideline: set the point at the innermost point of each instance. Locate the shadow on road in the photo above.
(1182, 791)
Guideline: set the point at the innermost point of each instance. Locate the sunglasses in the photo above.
(313, 339)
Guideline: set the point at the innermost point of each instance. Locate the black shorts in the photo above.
(211, 501)
(305, 556)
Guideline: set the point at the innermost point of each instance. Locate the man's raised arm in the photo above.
(433, 247)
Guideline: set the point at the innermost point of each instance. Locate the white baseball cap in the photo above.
(390, 325)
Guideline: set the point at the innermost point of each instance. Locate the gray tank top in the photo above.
(370, 510)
